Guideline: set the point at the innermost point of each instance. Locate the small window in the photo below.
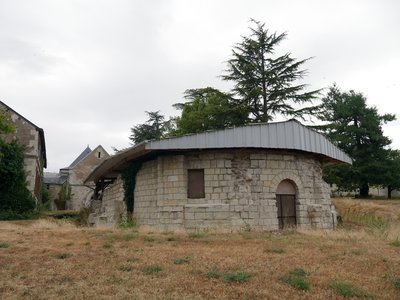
(196, 183)
(99, 154)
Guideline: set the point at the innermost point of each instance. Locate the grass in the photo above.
(63, 255)
(297, 279)
(153, 269)
(237, 277)
(395, 243)
(182, 260)
(4, 245)
(212, 273)
(218, 263)
(346, 289)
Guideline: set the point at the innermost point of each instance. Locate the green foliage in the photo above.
(395, 243)
(5, 124)
(129, 181)
(372, 223)
(237, 277)
(182, 260)
(196, 235)
(14, 195)
(12, 215)
(126, 268)
(264, 82)
(209, 109)
(4, 245)
(357, 130)
(212, 273)
(346, 289)
(64, 195)
(149, 239)
(154, 128)
(297, 279)
(129, 222)
(153, 269)
(44, 203)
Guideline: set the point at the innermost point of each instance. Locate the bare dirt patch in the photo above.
(52, 259)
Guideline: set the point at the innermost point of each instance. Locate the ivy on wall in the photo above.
(129, 181)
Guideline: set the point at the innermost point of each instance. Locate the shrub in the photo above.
(297, 279)
(237, 277)
(15, 196)
(346, 289)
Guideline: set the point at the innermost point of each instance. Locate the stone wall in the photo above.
(81, 193)
(111, 209)
(240, 190)
(27, 136)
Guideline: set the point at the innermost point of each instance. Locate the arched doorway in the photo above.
(286, 203)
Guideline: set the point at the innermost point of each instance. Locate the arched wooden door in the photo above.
(286, 203)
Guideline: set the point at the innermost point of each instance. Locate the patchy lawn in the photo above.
(52, 259)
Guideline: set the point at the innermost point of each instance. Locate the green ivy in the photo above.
(129, 179)
(14, 194)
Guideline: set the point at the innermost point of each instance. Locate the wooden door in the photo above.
(286, 210)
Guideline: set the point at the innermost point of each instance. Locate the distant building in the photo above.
(32, 138)
(72, 179)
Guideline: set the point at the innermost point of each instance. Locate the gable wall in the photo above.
(28, 136)
(80, 193)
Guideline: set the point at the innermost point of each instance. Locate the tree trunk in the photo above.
(389, 192)
(364, 190)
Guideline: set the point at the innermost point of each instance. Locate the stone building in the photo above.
(32, 138)
(261, 176)
(72, 179)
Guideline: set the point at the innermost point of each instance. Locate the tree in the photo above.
(208, 109)
(154, 128)
(390, 177)
(14, 195)
(264, 83)
(357, 130)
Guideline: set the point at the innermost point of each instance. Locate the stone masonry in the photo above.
(240, 190)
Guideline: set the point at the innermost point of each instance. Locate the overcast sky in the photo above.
(85, 71)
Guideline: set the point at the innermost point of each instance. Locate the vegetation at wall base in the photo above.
(129, 181)
(14, 194)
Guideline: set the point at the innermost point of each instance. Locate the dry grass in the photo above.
(50, 260)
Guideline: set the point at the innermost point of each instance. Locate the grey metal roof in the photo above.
(289, 135)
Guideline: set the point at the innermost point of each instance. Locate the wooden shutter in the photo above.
(196, 183)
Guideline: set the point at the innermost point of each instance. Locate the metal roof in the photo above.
(289, 135)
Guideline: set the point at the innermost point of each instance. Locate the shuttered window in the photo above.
(196, 183)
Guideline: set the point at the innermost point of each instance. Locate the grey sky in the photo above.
(85, 71)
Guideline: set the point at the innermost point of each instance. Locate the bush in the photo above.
(152, 269)
(14, 194)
